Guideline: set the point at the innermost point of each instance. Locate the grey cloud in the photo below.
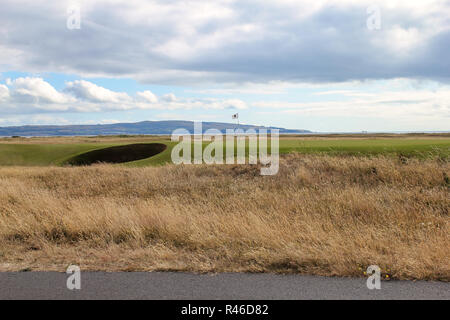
(258, 42)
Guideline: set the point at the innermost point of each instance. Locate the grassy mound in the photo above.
(118, 154)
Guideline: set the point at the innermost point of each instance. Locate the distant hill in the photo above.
(144, 127)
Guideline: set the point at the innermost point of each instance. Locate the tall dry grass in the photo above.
(324, 215)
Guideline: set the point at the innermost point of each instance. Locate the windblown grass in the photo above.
(321, 214)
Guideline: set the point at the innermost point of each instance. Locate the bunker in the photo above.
(118, 154)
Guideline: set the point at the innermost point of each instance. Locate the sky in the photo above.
(328, 66)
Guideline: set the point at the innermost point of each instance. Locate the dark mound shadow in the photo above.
(118, 154)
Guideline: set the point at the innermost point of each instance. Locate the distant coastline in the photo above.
(138, 128)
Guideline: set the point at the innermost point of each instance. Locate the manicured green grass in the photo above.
(398, 146)
(44, 154)
(58, 154)
(41, 154)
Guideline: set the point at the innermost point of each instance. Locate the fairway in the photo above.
(408, 147)
(59, 150)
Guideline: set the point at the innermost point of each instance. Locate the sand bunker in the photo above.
(118, 154)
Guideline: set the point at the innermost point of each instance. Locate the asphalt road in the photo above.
(170, 285)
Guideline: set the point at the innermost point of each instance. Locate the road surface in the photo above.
(170, 285)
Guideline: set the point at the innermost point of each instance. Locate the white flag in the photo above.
(235, 116)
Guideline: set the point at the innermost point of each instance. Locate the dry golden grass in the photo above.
(323, 215)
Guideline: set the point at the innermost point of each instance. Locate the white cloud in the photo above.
(4, 92)
(37, 91)
(169, 97)
(147, 96)
(88, 91)
(193, 117)
(39, 119)
(32, 95)
(420, 105)
(234, 104)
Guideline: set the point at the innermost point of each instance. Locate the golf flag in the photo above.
(235, 116)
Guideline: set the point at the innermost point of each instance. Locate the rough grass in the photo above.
(326, 215)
